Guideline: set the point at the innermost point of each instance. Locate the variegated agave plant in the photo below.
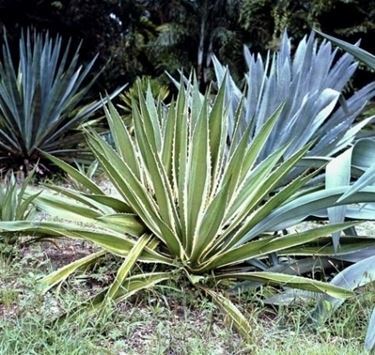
(190, 204)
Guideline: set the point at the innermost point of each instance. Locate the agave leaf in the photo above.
(303, 266)
(232, 312)
(75, 174)
(360, 155)
(150, 119)
(290, 281)
(63, 273)
(136, 283)
(277, 200)
(363, 153)
(370, 336)
(212, 221)
(31, 226)
(66, 208)
(169, 127)
(313, 162)
(299, 208)
(198, 174)
(158, 176)
(368, 178)
(131, 286)
(23, 210)
(267, 187)
(111, 202)
(131, 188)
(245, 157)
(116, 244)
(179, 161)
(358, 254)
(291, 296)
(110, 240)
(349, 249)
(217, 131)
(338, 174)
(270, 245)
(123, 222)
(339, 171)
(249, 187)
(122, 138)
(10, 201)
(354, 50)
(75, 197)
(126, 267)
(352, 277)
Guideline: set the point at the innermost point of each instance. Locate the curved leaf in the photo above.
(354, 50)
(370, 336)
(63, 273)
(298, 282)
(352, 277)
(232, 312)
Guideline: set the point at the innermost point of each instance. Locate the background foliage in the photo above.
(147, 37)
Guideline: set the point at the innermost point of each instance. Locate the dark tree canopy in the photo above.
(141, 37)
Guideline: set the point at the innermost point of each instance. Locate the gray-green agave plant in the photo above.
(42, 101)
(309, 83)
(190, 204)
(362, 154)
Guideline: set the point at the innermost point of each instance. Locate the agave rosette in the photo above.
(190, 203)
(43, 101)
(310, 82)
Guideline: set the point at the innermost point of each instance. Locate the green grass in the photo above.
(163, 321)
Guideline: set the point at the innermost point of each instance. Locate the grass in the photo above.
(162, 321)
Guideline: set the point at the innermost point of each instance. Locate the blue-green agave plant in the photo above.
(309, 82)
(43, 101)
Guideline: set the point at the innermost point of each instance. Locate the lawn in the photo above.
(165, 320)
